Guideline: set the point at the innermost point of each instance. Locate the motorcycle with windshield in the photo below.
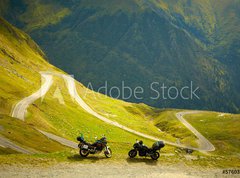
(97, 147)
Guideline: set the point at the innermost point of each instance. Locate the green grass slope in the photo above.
(25, 135)
(69, 119)
(21, 60)
(222, 129)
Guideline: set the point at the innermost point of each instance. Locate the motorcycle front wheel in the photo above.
(132, 153)
(108, 153)
(155, 156)
(84, 153)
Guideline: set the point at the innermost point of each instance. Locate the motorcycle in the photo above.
(143, 150)
(97, 147)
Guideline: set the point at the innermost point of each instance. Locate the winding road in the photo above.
(21, 108)
(204, 144)
(4, 142)
(61, 140)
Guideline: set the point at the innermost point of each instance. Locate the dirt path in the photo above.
(111, 170)
(21, 108)
(61, 140)
(8, 144)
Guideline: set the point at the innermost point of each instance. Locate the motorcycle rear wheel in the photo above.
(132, 153)
(84, 153)
(155, 156)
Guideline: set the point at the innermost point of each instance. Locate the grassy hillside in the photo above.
(25, 135)
(167, 122)
(222, 129)
(69, 119)
(21, 60)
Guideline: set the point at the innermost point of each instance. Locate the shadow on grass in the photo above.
(148, 161)
(90, 158)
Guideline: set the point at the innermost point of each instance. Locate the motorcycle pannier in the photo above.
(158, 145)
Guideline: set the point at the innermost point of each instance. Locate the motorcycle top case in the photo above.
(158, 145)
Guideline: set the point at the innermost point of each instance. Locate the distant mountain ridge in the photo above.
(140, 42)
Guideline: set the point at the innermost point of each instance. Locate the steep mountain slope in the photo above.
(21, 60)
(140, 42)
(216, 24)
